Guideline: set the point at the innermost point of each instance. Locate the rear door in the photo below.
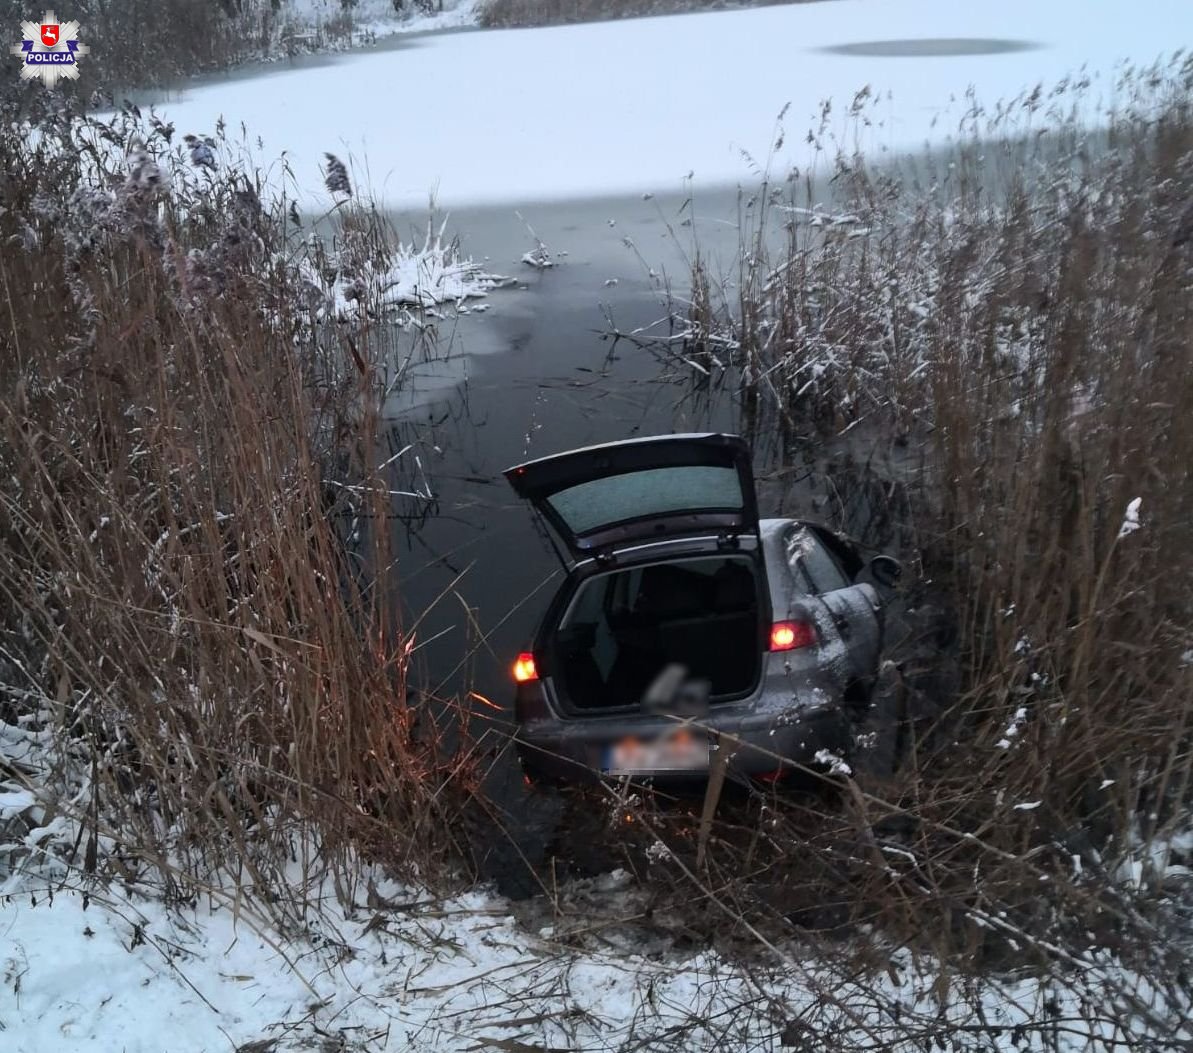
(602, 498)
(852, 608)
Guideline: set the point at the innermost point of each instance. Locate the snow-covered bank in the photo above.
(397, 971)
(536, 114)
(377, 966)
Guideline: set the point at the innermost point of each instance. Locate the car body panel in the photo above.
(816, 572)
(756, 742)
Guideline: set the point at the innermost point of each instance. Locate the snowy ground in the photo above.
(376, 966)
(398, 971)
(537, 114)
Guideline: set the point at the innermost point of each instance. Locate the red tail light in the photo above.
(787, 636)
(524, 669)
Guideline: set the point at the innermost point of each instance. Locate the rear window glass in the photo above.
(654, 491)
(806, 552)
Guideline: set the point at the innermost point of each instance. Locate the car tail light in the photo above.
(787, 636)
(524, 669)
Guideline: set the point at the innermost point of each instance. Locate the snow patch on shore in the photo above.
(366, 963)
(395, 970)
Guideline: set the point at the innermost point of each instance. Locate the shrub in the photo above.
(1008, 327)
(191, 494)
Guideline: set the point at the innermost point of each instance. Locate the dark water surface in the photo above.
(536, 373)
(539, 372)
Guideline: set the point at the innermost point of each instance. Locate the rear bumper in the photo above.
(577, 751)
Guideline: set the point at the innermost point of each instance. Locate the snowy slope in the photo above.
(527, 115)
(123, 974)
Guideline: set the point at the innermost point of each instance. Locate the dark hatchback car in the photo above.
(687, 625)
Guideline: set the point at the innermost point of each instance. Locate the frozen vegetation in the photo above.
(373, 19)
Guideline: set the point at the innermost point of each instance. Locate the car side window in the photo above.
(807, 555)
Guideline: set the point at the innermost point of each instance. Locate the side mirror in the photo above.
(886, 570)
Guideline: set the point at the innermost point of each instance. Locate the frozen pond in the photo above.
(532, 115)
(535, 374)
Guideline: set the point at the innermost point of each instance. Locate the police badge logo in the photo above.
(50, 50)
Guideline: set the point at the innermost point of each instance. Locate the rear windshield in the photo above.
(651, 492)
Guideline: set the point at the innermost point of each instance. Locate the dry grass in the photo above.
(1011, 323)
(196, 606)
(192, 479)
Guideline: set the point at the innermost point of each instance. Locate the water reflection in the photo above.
(571, 357)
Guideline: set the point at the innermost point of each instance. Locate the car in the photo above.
(686, 626)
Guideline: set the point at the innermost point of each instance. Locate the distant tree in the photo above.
(427, 7)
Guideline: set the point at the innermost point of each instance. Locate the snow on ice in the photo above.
(634, 105)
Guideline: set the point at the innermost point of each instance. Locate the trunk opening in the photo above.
(622, 628)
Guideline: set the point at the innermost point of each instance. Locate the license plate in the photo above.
(682, 750)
